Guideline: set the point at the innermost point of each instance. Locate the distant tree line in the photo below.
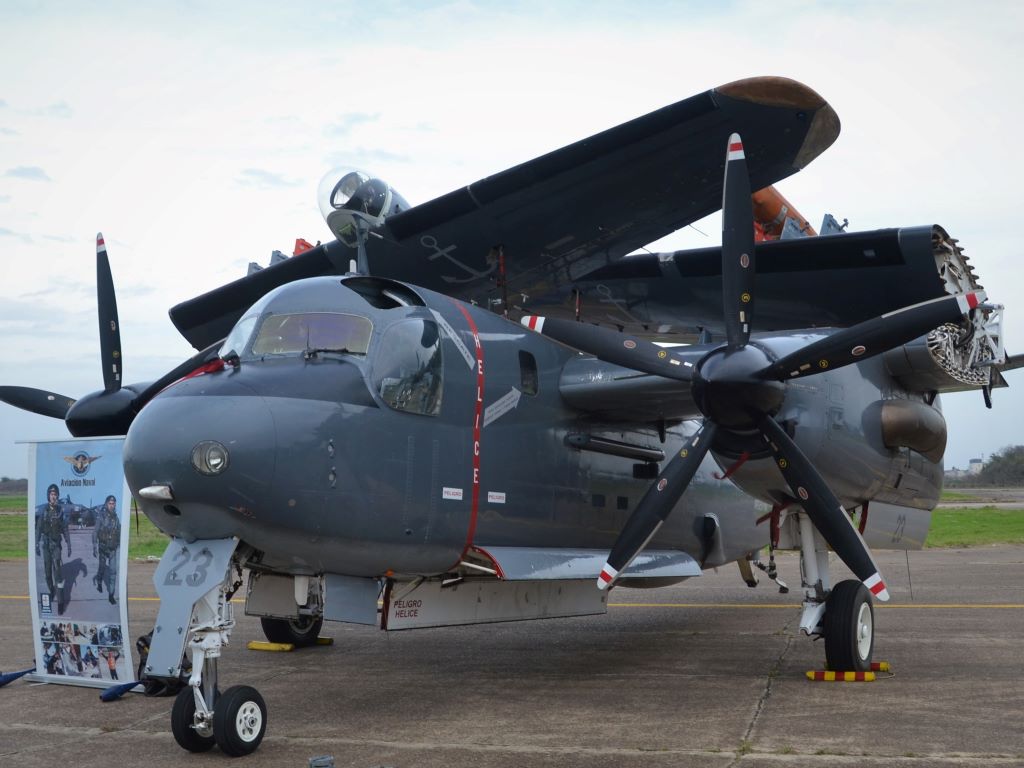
(1004, 469)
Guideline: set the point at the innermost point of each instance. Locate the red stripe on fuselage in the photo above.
(478, 418)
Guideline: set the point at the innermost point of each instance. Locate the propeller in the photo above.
(110, 332)
(111, 410)
(737, 246)
(822, 506)
(656, 504)
(874, 336)
(616, 348)
(737, 386)
(37, 401)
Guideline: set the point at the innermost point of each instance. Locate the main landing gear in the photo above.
(295, 605)
(844, 615)
(300, 632)
(194, 613)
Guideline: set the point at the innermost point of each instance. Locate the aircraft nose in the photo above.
(199, 462)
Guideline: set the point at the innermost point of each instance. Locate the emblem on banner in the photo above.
(81, 462)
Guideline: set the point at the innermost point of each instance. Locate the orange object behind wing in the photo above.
(771, 210)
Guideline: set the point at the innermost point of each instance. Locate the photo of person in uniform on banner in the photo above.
(106, 543)
(51, 534)
(77, 557)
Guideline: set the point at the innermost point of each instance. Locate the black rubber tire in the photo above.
(299, 632)
(182, 714)
(239, 720)
(844, 621)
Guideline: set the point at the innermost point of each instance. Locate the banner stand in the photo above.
(78, 518)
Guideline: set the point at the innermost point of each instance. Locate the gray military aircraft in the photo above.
(367, 436)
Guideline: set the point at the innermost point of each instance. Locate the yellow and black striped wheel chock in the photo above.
(829, 676)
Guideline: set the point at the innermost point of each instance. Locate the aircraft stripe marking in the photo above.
(534, 323)
(477, 426)
(606, 576)
(446, 327)
(969, 301)
(877, 587)
(735, 148)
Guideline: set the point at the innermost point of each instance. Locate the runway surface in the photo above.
(706, 673)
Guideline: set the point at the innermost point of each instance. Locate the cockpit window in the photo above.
(239, 336)
(313, 331)
(408, 372)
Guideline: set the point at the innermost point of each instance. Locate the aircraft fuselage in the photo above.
(450, 431)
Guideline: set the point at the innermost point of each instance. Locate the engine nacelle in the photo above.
(952, 358)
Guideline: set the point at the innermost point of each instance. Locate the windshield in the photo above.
(322, 331)
(239, 337)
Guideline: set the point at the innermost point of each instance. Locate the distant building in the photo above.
(975, 466)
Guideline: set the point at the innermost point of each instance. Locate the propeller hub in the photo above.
(728, 390)
(101, 413)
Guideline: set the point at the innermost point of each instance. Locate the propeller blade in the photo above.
(822, 506)
(737, 246)
(657, 503)
(198, 360)
(37, 401)
(872, 337)
(110, 331)
(618, 348)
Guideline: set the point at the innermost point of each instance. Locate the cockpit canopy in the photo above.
(325, 318)
(348, 194)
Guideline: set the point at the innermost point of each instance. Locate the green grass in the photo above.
(14, 538)
(955, 496)
(950, 528)
(959, 527)
(13, 503)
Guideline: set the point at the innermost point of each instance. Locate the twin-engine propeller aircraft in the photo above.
(368, 436)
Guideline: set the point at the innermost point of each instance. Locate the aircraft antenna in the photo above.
(362, 267)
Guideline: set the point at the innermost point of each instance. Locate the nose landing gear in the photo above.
(844, 615)
(196, 609)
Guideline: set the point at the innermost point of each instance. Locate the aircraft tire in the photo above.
(849, 628)
(239, 720)
(182, 717)
(299, 632)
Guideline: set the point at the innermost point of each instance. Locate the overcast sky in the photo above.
(193, 136)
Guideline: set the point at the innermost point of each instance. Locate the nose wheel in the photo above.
(849, 626)
(239, 720)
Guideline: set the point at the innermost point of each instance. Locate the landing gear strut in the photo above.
(843, 615)
(194, 613)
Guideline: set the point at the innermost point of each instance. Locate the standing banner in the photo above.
(78, 504)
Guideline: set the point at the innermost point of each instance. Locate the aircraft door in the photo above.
(431, 460)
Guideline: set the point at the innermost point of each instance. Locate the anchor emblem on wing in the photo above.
(429, 241)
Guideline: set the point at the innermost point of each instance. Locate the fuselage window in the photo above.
(528, 373)
(408, 372)
(319, 331)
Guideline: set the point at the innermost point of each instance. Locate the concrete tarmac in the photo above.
(706, 673)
